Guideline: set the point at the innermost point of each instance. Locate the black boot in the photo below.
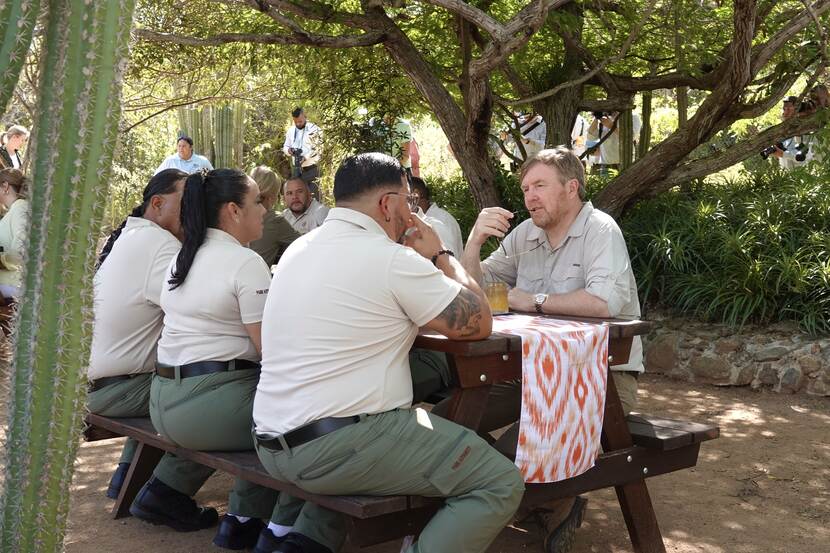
(236, 535)
(158, 503)
(267, 542)
(117, 480)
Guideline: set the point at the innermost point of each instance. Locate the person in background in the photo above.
(277, 232)
(10, 144)
(303, 212)
(449, 231)
(13, 227)
(302, 144)
(397, 140)
(185, 159)
(578, 137)
(796, 149)
(128, 321)
(415, 157)
(607, 156)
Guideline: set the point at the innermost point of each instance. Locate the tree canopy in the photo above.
(468, 63)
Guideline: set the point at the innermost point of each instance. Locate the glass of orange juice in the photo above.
(497, 297)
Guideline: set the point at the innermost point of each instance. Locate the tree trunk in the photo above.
(626, 139)
(713, 115)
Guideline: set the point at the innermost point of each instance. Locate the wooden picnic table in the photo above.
(476, 366)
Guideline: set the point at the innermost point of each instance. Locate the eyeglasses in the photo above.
(411, 199)
(515, 255)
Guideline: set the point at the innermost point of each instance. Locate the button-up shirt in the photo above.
(592, 256)
(308, 138)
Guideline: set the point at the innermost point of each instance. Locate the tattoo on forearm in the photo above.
(463, 313)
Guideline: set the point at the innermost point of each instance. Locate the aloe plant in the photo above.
(84, 47)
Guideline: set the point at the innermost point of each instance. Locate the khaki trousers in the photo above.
(405, 452)
(131, 398)
(213, 413)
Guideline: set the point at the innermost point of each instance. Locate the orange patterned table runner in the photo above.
(564, 371)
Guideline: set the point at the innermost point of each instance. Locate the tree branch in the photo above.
(766, 51)
(323, 41)
(632, 36)
(740, 151)
(473, 15)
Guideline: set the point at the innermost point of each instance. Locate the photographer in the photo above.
(302, 144)
(794, 151)
(608, 155)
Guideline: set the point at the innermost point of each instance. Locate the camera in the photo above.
(297, 154)
(802, 152)
(769, 150)
(600, 114)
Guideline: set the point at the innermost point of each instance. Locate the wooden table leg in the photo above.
(467, 406)
(634, 498)
(141, 469)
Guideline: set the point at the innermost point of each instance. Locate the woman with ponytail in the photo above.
(208, 358)
(128, 316)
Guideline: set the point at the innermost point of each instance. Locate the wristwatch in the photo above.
(538, 300)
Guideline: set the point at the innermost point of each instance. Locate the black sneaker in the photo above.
(236, 535)
(117, 480)
(267, 542)
(158, 503)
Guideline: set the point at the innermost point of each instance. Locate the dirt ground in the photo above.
(763, 487)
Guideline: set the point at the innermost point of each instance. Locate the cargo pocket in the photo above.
(451, 467)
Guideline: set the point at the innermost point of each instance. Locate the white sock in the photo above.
(278, 529)
(241, 519)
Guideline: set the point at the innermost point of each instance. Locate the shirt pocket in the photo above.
(568, 280)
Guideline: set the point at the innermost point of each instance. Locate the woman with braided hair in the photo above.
(128, 317)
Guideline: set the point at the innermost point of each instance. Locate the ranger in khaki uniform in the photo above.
(128, 321)
(208, 355)
(332, 408)
(567, 259)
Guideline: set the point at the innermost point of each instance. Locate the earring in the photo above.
(388, 219)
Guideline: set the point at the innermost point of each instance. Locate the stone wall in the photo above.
(778, 357)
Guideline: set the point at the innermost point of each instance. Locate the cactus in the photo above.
(17, 23)
(84, 47)
(216, 132)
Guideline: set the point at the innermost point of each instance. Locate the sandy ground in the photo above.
(763, 487)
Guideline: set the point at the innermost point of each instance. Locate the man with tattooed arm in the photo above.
(332, 411)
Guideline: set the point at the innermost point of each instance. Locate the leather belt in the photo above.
(308, 432)
(205, 367)
(99, 383)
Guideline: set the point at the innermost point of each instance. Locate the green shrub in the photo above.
(755, 249)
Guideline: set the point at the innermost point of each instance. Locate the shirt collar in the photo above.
(221, 235)
(356, 218)
(538, 234)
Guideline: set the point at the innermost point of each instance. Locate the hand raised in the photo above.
(492, 221)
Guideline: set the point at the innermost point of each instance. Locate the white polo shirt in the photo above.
(343, 311)
(310, 219)
(128, 316)
(191, 165)
(453, 239)
(204, 318)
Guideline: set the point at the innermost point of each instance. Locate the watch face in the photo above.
(539, 299)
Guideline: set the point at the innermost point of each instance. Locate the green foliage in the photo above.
(754, 249)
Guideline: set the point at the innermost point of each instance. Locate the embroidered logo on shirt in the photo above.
(260, 292)
(461, 458)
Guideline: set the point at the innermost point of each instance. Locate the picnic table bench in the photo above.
(634, 448)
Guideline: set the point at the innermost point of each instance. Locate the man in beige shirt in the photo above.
(567, 259)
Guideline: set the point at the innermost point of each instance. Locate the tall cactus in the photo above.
(17, 23)
(216, 132)
(84, 47)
